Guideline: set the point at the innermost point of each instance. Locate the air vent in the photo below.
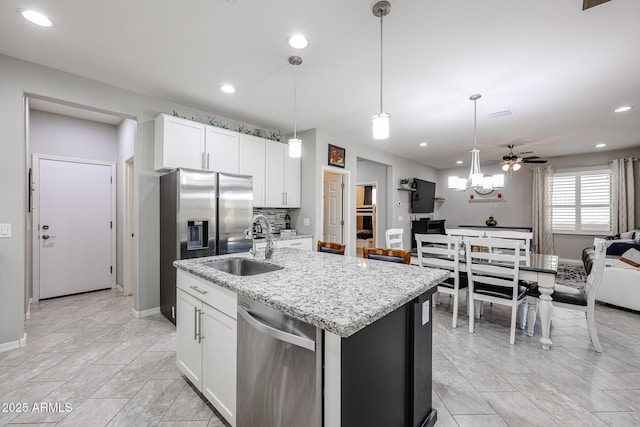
(502, 114)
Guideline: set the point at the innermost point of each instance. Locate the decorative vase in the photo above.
(491, 222)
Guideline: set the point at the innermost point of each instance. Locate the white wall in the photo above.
(65, 136)
(397, 201)
(516, 210)
(20, 78)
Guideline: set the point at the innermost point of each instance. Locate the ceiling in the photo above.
(562, 71)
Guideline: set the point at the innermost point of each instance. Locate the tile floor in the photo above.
(89, 352)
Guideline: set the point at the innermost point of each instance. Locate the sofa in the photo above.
(620, 281)
(620, 243)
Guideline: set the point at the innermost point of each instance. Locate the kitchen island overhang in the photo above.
(375, 320)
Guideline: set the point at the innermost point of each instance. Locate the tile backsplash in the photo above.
(275, 215)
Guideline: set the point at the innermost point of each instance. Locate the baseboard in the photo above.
(120, 289)
(12, 345)
(570, 261)
(145, 313)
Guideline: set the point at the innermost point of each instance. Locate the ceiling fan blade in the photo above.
(530, 157)
(586, 4)
(534, 161)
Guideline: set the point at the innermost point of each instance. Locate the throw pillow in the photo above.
(627, 235)
(613, 237)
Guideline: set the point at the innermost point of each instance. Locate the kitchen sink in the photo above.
(242, 266)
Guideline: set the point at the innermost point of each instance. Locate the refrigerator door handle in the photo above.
(276, 333)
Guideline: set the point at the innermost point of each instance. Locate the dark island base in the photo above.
(387, 370)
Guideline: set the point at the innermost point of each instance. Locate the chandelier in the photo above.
(476, 178)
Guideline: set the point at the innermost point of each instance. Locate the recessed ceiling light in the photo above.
(459, 162)
(226, 88)
(298, 41)
(623, 109)
(36, 17)
(602, 144)
(423, 144)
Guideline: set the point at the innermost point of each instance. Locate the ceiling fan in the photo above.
(586, 4)
(514, 161)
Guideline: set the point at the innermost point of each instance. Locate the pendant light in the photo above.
(476, 179)
(381, 120)
(295, 144)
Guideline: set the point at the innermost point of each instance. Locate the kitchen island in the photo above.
(374, 325)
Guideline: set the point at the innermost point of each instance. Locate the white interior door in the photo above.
(75, 229)
(333, 212)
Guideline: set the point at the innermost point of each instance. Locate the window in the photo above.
(581, 202)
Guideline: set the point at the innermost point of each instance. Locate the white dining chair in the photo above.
(493, 277)
(464, 232)
(576, 299)
(393, 237)
(440, 251)
(524, 236)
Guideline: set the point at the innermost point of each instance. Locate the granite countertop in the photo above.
(340, 294)
(278, 236)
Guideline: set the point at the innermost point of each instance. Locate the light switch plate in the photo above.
(307, 222)
(5, 230)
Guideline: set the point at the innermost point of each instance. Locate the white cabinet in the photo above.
(179, 143)
(188, 354)
(206, 340)
(282, 177)
(222, 149)
(219, 367)
(252, 162)
(301, 243)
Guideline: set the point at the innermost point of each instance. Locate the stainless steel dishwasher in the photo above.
(279, 369)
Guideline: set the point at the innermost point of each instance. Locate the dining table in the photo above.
(541, 269)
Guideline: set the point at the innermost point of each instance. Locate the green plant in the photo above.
(404, 181)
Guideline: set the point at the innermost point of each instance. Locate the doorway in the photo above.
(366, 217)
(74, 234)
(333, 207)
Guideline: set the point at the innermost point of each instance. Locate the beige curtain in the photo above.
(542, 224)
(622, 195)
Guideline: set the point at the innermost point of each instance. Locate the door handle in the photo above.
(208, 161)
(195, 288)
(200, 336)
(276, 333)
(195, 323)
(47, 237)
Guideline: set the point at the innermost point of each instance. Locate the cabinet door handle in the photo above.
(208, 161)
(203, 161)
(195, 288)
(200, 336)
(286, 198)
(195, 323)
(296, 244)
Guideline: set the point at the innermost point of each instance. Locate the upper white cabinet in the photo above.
(282, 177)
(222, 149)
(180, 143)
(252, 162)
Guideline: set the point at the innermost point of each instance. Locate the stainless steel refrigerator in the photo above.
(201, 214)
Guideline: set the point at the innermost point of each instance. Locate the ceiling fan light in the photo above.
(505, 167)
(517, 167)
(295, 147)
(381, 125)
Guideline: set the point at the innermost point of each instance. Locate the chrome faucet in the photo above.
(268, 252)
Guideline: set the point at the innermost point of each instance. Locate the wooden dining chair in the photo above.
(393, 237)
(493, 277)
(390, 255)
(576, 299)
(331, 247)
(439, 251)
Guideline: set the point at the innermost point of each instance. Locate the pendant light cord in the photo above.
(381, 62)
(295, 103)
(475, 122)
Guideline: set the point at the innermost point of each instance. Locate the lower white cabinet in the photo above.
(302, 243)
(206, 341)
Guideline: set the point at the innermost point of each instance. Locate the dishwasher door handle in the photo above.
(277, 333)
